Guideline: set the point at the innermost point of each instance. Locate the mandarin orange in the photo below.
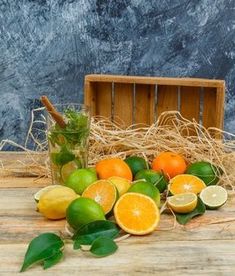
(169, 163)
(113, 167)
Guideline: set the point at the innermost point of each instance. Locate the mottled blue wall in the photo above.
(47, 46)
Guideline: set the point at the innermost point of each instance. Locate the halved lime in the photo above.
(68, 168)
(44, 190)
(214, 196)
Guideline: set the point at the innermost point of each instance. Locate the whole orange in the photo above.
(113, 167)
(170, 163)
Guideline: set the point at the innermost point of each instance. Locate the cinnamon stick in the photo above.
(54, 113)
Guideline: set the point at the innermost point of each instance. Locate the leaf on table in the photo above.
(91, 231)
(43, 247)
(103, 246)
(54, 259)
(199, 210)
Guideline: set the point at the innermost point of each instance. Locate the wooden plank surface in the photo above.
(205, 246)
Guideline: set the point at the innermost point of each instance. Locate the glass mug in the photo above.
(68, 146)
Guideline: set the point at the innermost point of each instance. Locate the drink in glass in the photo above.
(68, 143)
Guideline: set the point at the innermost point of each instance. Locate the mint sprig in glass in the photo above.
(68, 141)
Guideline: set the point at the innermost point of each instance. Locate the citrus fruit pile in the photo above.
(130, 190)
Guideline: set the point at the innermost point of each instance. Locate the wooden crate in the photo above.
(135, 99)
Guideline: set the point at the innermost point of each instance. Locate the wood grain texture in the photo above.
(123, 103)
(190, 102)
(167, 99)
(156, 80)
(144, 104)
(103, 99)
(209, 107)
(205, 246)
(163, 258)
(90, 96)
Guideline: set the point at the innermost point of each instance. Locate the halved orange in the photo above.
(104, 193)
(136, 213)
(186, 183)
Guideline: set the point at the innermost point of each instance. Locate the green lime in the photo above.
(214, 196)
(156, 178)
(82, 211)
(205, 171)
(80, 179)
(136, 163)
(146, 188)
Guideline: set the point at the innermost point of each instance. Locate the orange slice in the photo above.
(104, 193)
(186, 183)
(136, 214)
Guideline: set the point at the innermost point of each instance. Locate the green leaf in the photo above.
(54, 259)
(42, 247)
(199, 210)
(62, 157)
(103, 246)
(91, 231)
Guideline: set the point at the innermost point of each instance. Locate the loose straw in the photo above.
(171, 132)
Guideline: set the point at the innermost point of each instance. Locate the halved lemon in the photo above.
(186, 183)
(182, 203)
(214, 196)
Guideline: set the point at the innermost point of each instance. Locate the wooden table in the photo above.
(205, 246)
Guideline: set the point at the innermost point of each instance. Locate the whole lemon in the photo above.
(53, 203)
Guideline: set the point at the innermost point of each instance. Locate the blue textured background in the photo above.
(47, 46)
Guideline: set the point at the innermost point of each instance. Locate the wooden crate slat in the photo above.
(190, 102)
(90, 96)
(144, 104)
(104, 99)
(167, 98)
(157, 80)
(220, 98)
(209, 107)
(123, 103)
